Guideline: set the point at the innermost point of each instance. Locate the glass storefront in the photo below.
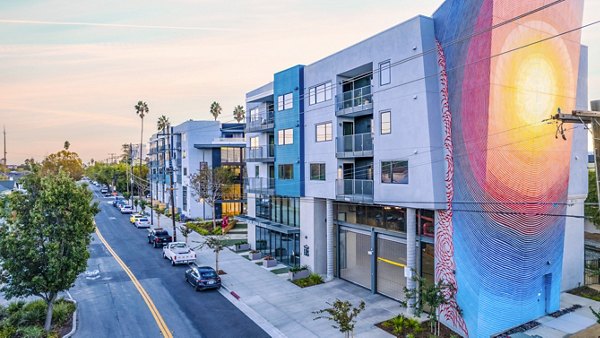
(285, 248)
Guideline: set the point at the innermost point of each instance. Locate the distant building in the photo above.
(193, 145)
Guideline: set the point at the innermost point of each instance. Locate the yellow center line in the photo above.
(157, 317)
(391, 262)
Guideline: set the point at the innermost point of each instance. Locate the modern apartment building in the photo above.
(195, 144)
(423, 149)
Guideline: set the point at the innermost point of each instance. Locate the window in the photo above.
(285, 101)
(184, 197)
(394, 172)
(317, 171)
(385, 73)
(319, 93)
(256, 171)
(285, 136)
(254, 115)
(254, 142)
(184, 171)
(323, 132)
(231, 154)
(386, 122)
(286, 172)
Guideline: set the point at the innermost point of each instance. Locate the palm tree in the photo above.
(239, 114)
(141, 109)
(163, 124)
(215, 109)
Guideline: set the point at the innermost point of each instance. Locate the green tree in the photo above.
(216, 244)
(591, 202)
(343, 314)
(208, 185)
(66, 160)
(239, 114)
(215, 109)
(44, 241)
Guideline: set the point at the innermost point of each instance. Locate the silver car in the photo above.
(142, 222)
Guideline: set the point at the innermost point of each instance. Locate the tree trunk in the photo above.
(158, 219)
(48, 322)
(140, 154)
(214, 216)
(217, 262)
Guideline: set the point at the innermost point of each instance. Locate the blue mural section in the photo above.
(289, 81)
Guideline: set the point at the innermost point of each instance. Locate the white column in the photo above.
(330, 235)
(411, 262)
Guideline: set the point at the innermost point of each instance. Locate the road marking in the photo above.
(157, 317)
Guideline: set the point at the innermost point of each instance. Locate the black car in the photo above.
(159, 237)
(202, 277)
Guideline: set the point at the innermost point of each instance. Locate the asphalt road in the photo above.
(109, 301)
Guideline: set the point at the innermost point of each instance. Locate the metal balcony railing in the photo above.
(355, 145)
(262, 121)
(260, 185)
(355, 102)
(353, 190)
(264, 153)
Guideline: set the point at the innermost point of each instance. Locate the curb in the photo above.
(254, 316)
(74, 328)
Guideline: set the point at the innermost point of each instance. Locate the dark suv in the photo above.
(159, 237)
(202, 277)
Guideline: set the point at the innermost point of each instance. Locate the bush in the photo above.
(7, 331)
(31, 332)
(298, 268)
(61, 313)
(312, 279)
(400, 325)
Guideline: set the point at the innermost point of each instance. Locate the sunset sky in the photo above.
(73, 70)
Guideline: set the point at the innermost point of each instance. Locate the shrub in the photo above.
(401, 325)
(241, 243)
(7, 331)
(61, 313)
(312, 279)
(33, 313)
(298, 268)
(31, 332)
(217, 231)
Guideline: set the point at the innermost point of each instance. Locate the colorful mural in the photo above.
(509, 66)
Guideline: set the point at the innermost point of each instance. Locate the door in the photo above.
(391, 262)
(348, 178)
(347, 135)
(355, 261)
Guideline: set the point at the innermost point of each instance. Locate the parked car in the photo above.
(117, 200)
(135, 217)
(178, 253)
(202, 277)
(159, 237)
(126, 209)
(104, 190)
(142, 222)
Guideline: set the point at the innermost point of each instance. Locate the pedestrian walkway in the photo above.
(283, 309)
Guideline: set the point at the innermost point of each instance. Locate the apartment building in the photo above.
(195, 144)
(418, 151)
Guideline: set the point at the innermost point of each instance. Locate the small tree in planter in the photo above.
(242, 246)
(298, 272)
(254, 255)
(185, 232)
(143, 204)
(159, 211)
(343, 314)
(136, 202)
(269, 261)
(216, 244)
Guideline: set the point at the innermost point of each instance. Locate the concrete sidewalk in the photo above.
(283, 309)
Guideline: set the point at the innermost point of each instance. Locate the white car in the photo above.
(178, 253)
(142, 222)
(126, 209)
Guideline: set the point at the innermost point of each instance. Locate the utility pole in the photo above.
(584, 117)
(4, 157)
(171, 189)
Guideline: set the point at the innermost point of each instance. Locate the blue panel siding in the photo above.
(290, 81)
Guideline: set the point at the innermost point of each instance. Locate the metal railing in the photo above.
(355, 145)
(354, 101)
(261, 153)
(353, 190)
(264, 120)
(260, 185)
(229, 140)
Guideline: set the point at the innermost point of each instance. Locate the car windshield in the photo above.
(162, 233)
(143, 219)
(208, 274)
(180, 246)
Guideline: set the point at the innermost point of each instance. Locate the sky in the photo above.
(73, 70)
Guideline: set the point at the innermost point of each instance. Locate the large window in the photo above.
(254, 142)
(286, 171)
(386, 122)
(285, 101)
(323, 132)
(184, 198)
(385, 73)
(254, 114)
(285, 136)
(231, 155)
(319, 93)
(317, 171)
(394, 172)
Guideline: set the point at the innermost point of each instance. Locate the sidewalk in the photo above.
(283, 309)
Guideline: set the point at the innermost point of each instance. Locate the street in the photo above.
(110, 305)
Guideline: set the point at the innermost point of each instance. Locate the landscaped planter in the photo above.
(269, 263)
(255, 256)
(298, 274)
(242, 247)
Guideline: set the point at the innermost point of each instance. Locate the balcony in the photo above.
(260, 185)
(350, 190)
(355, 145)
(355, 102)
(263, 121)
(261, 154)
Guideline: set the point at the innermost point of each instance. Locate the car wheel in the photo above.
(196, 288)
(149, 241)
(165, 257)
(173, 262)
(154, 244)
